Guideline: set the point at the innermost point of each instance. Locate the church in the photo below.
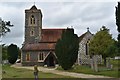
(39, 44)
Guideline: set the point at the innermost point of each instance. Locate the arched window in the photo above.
(32, 19)
(28, 57)
(41, 56)
(86, 48)
(32, 32)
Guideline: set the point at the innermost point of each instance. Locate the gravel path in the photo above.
(72, 74)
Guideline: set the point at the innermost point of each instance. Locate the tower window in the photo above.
(32, 32)
(32, 20)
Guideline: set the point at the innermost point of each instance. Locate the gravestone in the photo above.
(94, 63)
(108, 64)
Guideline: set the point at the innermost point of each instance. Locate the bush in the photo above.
(12, 52)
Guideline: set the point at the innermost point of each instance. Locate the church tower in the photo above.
(33, 25)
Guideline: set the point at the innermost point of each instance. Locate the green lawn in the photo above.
(102, 70)
(11, 72)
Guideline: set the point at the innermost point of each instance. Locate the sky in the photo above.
(78, 15)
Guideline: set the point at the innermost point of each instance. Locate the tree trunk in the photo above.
(105, 61)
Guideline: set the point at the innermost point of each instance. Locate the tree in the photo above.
(100, 43)
(118, 25)
(118, 17)
(4, 52)
(19, 53)
(66, 49)
(12, 51)
(112, 50)
(5, 27)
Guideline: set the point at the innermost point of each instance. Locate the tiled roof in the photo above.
(39, 46)
(48, 41)
(51, 35)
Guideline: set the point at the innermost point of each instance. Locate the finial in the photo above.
(34, 3)
(87, 28)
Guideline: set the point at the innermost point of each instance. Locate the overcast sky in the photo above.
(80, 15)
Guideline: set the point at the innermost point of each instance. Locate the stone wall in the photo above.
(34, 56)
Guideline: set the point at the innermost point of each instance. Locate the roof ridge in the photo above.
(33, 7)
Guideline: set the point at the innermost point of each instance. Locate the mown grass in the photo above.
(10, 72)
(102, 69)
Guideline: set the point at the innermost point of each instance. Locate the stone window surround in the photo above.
(40, 56)
(32, 33)
(32, 20)
(28, 57)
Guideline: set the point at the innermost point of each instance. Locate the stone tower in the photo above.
(33, 25)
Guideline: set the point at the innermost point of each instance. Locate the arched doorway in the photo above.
(50, 61)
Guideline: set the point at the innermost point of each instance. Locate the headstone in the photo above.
(111, 66)
(100, 59)
(108, 65)
(95, 63)
(92, 64)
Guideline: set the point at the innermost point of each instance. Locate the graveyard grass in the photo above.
(102, 70)
(11, 72)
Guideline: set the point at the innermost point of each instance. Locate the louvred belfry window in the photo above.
(32, 20)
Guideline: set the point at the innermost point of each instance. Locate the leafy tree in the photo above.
(118, 44)
(4, 52)
(118, 25)
(19, 53)
(4, 27)
(66, 49)
(100, 43)
(12, 51)
(112, 50)
(118, 16)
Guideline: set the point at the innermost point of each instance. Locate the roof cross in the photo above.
(87, 28)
